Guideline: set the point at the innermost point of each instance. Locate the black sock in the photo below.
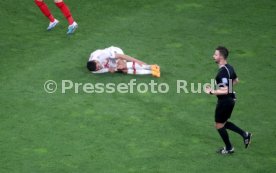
(224, 135)
(234, 128)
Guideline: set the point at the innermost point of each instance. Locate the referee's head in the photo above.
(220, 54)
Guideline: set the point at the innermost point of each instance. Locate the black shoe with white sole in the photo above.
(247, 139)
(224, 151)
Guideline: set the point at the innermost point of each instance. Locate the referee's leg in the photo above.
(222, 114)
(245, 135)
(224, 135)
(231, 126)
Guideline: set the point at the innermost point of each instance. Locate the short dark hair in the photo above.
(91, 65)
(223, 51)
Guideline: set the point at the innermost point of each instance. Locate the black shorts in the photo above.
(224, 109)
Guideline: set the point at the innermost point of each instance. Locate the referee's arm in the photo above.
(220, 91)
(236, 81)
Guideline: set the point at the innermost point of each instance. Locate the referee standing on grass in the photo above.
(225, 79)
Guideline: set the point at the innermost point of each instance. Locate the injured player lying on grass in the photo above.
(113, 60)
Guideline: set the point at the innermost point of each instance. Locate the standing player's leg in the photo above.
(66, 12)
(45, 10)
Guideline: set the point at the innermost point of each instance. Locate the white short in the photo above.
(116, 50)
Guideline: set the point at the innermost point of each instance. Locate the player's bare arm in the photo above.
(129, 59)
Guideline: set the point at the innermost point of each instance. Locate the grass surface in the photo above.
(118, 133)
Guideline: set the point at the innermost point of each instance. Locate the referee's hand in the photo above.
(208, 89)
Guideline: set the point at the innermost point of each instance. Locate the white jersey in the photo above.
(106, 58)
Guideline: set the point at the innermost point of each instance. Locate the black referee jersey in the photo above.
(225, 77)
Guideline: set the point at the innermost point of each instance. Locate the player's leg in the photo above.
(135, 68)
(121, 67)
(126, 68)
(45, 10)
(67, 14)
(155, 69)
(138, 72)
(131, 65)
(142, 72)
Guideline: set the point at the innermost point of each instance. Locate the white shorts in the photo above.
(116, 50)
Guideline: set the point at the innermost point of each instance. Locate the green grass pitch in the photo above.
(131, 133)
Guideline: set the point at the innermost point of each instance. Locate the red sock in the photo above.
(66, 12)
(45, 10)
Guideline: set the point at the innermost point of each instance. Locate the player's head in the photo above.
(93, 65)
(221, 53)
